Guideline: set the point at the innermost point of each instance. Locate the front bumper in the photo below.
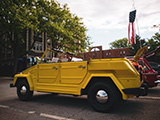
(11, 85)
(157, 81)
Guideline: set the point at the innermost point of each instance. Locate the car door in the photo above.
(48, 72)
(73, 72)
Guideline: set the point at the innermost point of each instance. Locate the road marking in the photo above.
(31, 112)
(3, 106)
(148, 97)
(54, 117)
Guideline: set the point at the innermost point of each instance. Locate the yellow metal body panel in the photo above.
(27, 76)
(73, 72)
(110, 75)
(47, 73)
(72, 77)
(140, 53)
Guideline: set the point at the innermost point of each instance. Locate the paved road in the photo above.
(45, 106)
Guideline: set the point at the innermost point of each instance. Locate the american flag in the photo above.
(132, 16)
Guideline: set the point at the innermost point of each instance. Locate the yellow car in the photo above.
(104, 81)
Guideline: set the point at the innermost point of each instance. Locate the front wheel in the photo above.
(23, 91)
(102, 97)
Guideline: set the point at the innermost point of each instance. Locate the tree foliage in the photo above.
(139, 43)
(154, 42)
(121, 43)
(66, 30)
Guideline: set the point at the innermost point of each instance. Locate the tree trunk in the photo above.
(15, 60)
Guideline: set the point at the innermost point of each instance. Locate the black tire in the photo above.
(55, 94)
(145, 85)
(23, 91)
(106, 102)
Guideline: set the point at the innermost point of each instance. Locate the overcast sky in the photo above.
(107, 20)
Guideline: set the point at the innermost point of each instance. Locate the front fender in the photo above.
(28, 78)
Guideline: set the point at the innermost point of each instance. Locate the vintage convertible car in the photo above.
(104, 81)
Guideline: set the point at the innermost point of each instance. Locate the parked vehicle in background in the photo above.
(148, 75)
(155, 66)
(104, 81)
(154, 56)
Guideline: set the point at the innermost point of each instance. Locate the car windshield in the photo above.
(54, 57)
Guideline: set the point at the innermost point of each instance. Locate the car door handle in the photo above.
(55, 68)
(81, 66)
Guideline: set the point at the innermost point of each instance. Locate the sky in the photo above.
(107, 20)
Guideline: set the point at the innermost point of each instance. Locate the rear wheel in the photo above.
(23, 91)
(102, 97)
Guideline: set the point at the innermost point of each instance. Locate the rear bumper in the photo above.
(134, 91)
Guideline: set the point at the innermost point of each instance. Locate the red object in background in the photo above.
(133, 39)
(149, 76)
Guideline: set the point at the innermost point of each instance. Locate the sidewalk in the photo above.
(6, 78)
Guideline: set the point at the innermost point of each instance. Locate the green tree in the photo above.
(16, 17)
(121, 43)
(154, 42)
(139, 43)
(66, 30)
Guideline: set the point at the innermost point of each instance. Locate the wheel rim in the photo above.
(23, 90)
(102, 96)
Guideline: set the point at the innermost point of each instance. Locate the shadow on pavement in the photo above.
(124, 107)
(154, 91)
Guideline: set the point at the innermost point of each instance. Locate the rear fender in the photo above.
(113, 78)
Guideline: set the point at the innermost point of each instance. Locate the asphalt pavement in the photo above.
(45, 106)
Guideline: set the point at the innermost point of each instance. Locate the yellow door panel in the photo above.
(73, 72)
(47, 73)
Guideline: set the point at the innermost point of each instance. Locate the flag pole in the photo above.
(137, 24)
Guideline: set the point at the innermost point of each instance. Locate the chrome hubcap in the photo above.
(102, 96)
(23, 90)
